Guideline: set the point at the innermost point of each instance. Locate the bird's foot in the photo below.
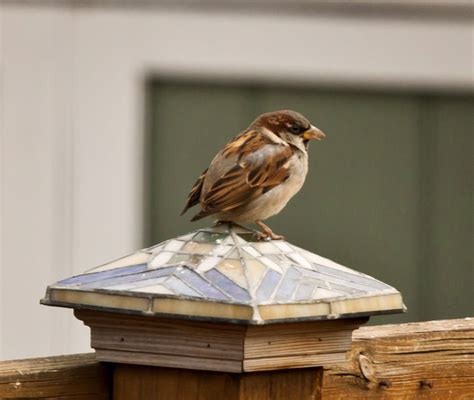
(267, 233)
(269, 236)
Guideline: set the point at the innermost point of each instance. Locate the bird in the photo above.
(253, 177)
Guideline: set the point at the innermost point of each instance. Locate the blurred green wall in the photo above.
(389, 192)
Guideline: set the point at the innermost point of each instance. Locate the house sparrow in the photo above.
(256, 173)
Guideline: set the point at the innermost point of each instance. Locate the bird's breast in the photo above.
(273, 201)
(298, 169)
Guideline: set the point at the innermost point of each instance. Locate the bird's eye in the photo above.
(295, 129)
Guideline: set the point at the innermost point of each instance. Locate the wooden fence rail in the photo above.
(71, 377)
(428, 360)
(432, 360)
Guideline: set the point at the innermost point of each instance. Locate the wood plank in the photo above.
(296, 361)
(432, 360)
(188, 342)
(305, 326)
(301, 384)
(132, 382)
(173, 343)
(170, 361)
(312, 342)
(75, 377)
(143, 382)
(298, 345)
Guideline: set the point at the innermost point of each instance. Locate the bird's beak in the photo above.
(314, 133)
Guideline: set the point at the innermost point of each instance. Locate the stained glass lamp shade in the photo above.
(224, 273)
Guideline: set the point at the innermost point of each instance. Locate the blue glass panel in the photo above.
(305, 289)
(180, 288)
(139, 284)
(95, 276)
(228, 286)
(288, 284)
(153, 273)
(200, 284)
(268, 285)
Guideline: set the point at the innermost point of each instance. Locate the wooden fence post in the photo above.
(164, 358)
(141, 382)
(218, 313)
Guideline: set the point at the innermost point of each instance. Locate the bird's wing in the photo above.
(195, 193)
(257, 165)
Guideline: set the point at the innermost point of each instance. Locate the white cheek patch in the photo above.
(298, 142)
(274, 138)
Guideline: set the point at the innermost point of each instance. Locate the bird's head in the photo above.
(290, 126)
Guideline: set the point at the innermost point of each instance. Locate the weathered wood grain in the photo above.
(75, 377)
(298, 345)
(289, 362)
(169, 360)
(133, 382)
(426, 360)
(301, 384)
(173, 343)
(165, 342)
(143, 382)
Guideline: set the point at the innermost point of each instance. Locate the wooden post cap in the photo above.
(219, 299)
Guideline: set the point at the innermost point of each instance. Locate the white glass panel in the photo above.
(161, 259)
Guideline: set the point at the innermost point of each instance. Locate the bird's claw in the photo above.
(266, 233)
(269, 236)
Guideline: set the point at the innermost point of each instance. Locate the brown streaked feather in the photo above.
(195, 194)
(260, 165)
(245, 144)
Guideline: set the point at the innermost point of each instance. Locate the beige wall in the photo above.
(72, 90)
